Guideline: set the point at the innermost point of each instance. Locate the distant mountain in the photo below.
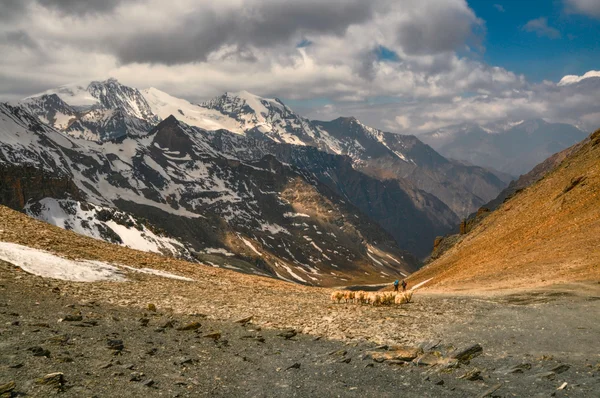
(510, 147)
(543, 234)
(172, 191)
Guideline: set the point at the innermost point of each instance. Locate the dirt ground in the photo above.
(533, 342)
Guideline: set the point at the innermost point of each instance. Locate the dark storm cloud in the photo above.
(434, 29)
(19, 38)
(82, 7)
(260, 24)
(10, 9)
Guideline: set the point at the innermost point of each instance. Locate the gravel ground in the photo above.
(532, 343)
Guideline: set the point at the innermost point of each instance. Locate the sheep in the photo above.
(360, 297)
(404, 298)
(388, 298)
(374, 299)
(337, 296)
(349, 296)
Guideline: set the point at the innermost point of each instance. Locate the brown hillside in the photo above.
(546, 234)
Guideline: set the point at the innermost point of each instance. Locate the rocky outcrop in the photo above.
(21, 184)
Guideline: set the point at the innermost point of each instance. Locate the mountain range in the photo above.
(511, 147)
(239, 181)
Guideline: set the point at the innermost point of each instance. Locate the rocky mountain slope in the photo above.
(544, 234)
(261, 217)
(510, 147)
(382, 155)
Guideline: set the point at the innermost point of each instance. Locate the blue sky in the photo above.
(538, 57)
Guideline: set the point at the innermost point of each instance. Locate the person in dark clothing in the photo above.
(403, 285)
(396, 282)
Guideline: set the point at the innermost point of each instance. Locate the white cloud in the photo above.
(541, 28)
(588, 7)
(198, 49)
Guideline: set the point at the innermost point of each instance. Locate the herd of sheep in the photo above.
(373, 298)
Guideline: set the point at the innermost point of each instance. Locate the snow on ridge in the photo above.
(48, 265)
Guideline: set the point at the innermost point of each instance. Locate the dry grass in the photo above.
(547, 234)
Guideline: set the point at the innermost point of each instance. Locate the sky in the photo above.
(407, 66)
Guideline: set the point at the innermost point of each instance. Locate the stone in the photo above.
(288, 334)
(53, 379)
(168, 325)
(294, 366)
(116, 345)
(151, 307)
(428, 359)
(490, 391)
(40, 352)
(546, 375)
(72, 318)
(520, 368)
(472, 375)
(562, 368)
(8, 387)
(468, 353)
(136, 376)
(245, 320)
(215, 336)
(405, 354)
(190, 326)
(148, 383)
(144, 322)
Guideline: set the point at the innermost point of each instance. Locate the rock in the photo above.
(562, 368)
(190, 326)
(381, 347)
(406, 353)
(53, 379)
(159, 330)
(8, 387)
(168, 325)
(41, 325)
(288, 334)
(562, 386)
(116, 345)
(345, 360)
(520, 368)
(144, 322)
(151, 307)
(468, 353)
(245, 320)
(106, 365)
(72, 318)
(545, 375)
(17, 365)
(40, 352)
(185, 361)
(428, 359)
(472, 375)
(338, 353)
(152, 351)
(136, 376)
(294, 366)
(490, 391)
(148, 383)
(215, 336)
